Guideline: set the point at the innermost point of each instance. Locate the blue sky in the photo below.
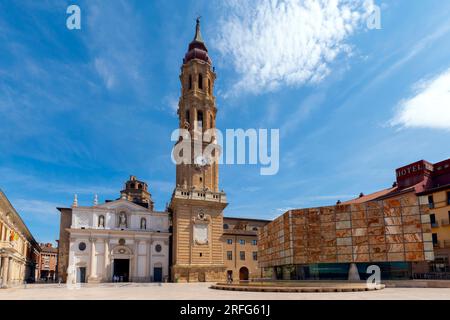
(81, 110)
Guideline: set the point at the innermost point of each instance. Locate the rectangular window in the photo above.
(230, 255)
(229, 241)
(254, 242)
(430, 202)
(241, 241)
(242, 255)
(255, 255)
(433, 220)
(448, 198)
(435, 239)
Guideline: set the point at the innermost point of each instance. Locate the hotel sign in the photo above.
(414, 169)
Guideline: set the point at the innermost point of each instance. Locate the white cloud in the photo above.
(429, 107)
(105, 72)
(115, 44)
(293, 42)
(45, 209)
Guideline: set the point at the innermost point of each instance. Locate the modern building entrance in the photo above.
(121, 270)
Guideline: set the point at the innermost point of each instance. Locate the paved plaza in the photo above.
(201, 291)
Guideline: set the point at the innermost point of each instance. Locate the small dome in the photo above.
(197, 48)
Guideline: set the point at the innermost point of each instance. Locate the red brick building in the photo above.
(48, 263)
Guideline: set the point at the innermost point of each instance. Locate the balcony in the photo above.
(446, 243)
(6, 246)
(441, 244)
(200, 195)
(434, 224)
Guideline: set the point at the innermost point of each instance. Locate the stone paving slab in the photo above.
(201, 291)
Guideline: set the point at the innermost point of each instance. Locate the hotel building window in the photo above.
(230, 255)
(433, 220)
(255, 255)
(229, 241)
(242, 241)
(242, 255)
(254, 242)
(430, 202)
(435, 239)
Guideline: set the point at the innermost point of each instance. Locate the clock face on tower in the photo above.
(201, 162)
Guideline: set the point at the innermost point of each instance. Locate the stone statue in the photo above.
(101, 221)
(122, 220)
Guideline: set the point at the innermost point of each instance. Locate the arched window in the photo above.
(139, 186)
(225, 226)
(132, 186)
(209, 86)
(190, 82)
(200, 119)
(187, 117)
(211, 121)
(200, 81)
(101, 221)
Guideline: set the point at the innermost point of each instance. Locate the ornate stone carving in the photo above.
(201, 234)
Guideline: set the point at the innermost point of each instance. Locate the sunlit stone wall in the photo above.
(392, 230)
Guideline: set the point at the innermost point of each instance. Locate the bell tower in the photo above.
(197, 204)
(197, 114)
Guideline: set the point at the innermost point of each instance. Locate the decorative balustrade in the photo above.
(200, 195)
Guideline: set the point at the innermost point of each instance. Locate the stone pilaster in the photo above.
(93, 262)
(106, 259)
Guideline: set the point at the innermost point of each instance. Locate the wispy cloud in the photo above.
(32, 182)
(116, 46)
(429, 107)
(43, 210)
(304, 110)
(287, 42)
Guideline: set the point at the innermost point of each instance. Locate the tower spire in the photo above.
(198, 34)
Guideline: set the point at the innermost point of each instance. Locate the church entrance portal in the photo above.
(157, 274)
(81, 275)
(121, 270)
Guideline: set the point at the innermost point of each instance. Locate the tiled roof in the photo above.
(371, 196)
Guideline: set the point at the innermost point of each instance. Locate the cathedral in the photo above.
(118, 241)
(127, 240)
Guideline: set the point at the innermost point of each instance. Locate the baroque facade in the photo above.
(19, 251)
(121, 240)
